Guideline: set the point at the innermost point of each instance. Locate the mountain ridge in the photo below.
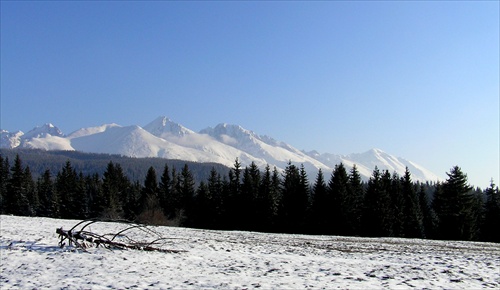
(221, 144)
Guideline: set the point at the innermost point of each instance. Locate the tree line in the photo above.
(247, 198)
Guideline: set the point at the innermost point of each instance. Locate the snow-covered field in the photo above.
(31, 258)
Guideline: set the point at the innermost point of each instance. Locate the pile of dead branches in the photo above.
(83, 239)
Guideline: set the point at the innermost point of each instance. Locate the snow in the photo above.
(30, 258)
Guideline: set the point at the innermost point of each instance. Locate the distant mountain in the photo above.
(220, 144)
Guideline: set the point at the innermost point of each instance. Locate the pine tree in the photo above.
(338, 219)
(215, 189)
(202, 214)
(173, 200)
(411, 214)
(66, 186)
(294, 200)
(234, 203)
(164, 190)
(16, 200)
(93, 189)
(269, 191)
(491, 222)
(250, 197)
(453, 207)
(320, 208)
(428, 217)
(31, 193)
(354, 202)
(115, 191)
(187, 192)
(151, 211)
(376, 219)
(45, 188)
(4, 179)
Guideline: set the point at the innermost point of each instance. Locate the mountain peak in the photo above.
(163, 126)
(43, 131)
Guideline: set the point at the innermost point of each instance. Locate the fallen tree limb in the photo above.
(82, 239)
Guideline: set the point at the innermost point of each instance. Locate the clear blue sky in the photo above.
(416, 79)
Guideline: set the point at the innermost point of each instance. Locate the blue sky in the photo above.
(416, 79)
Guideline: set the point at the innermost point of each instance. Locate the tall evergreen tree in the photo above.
(31, 193)
(115, 191)
(164, 189)
(354, 202)
(234, 203)
(428, 217)
(173, 200)
(321, 206)
(411, 214)
(250, 197)
(453, 207)
(202, 214)
(338, 206)
(93, 189)
(269, 191)
(215, 189)
(294, 200)
(4, 179)
(491, 222)
(187, 192)
(16, 199)
(376, 219)
(66, 186)
(151, 211)
(394, 189)
(46, 194)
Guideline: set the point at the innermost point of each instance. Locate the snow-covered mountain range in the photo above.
(221, 144)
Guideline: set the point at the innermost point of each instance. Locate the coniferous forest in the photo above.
(331, 203)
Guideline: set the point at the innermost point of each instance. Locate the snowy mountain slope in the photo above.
(10, 140)
(43, 131)
(32, 259)
(91, 130)
(212, 149)
(366, 162)
(263, 147)
(221, 144)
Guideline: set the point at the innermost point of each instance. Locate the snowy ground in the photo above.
(31, 258)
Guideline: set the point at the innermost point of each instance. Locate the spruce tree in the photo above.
(202, 214)
(354, 202)
(164, 189)
(31, 193)
(234, 203)
(320, 208)
(453, 207)
(215, 189)
(250, 197)
(338, 217)
(4, 179)
(428, 217)
(151, 211)
(411, 214)
(376, 218)
(16, 200)
(93, 188)
(45, 188)
(66, 186)
(187, 192)
(397, 205)
(491, 222)
(115, 191)
(294, 200)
